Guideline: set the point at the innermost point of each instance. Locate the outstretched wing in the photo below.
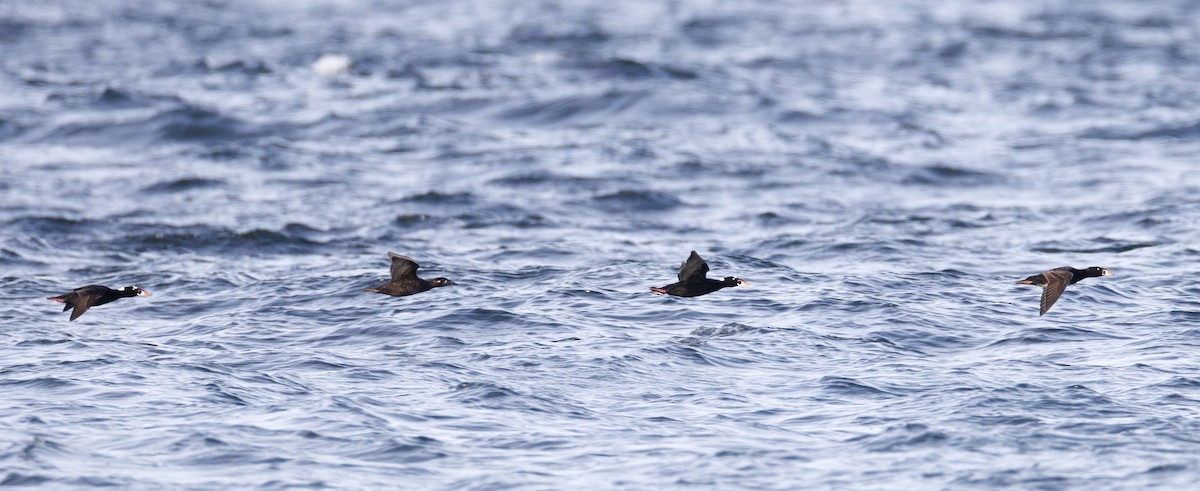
(693, 269)
(81, 305)
(1056, 283)
(403, 267)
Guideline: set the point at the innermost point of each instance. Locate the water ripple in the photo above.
(881, 178)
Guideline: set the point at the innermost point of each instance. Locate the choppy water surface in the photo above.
(881, 172)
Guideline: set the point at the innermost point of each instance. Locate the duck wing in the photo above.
(693, 269)
(403, 267)
(83, 300)
(1056, 283)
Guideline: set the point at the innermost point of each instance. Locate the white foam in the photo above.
(330, 64)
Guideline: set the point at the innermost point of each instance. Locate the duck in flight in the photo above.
(404, 279)
(89, 296)
(693, 280)
(1055, 281)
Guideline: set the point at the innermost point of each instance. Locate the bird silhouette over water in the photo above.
(89, 296)
(1055, 281)
(693, 280)
(404, 279)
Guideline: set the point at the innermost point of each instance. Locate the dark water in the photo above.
(881, 172)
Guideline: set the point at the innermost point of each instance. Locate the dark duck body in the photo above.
(404, 279)
(1055, 281)
(694, 280)
(89, 296)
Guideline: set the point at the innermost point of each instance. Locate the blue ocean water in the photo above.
(881, 172)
